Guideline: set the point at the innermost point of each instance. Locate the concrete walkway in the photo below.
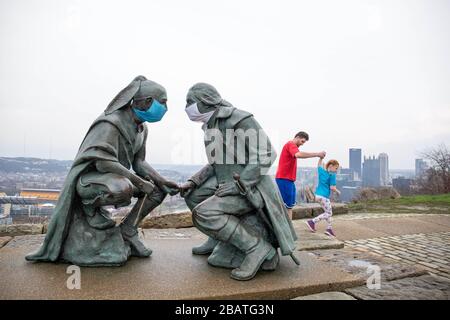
(360, 226)
(414, 239)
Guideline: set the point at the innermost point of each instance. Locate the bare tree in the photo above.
(437, 178)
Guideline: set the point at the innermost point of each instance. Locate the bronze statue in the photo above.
(81, 230)
(232, 198)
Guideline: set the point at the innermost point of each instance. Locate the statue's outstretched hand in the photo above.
(186, 188)
(227, 189)
(171, 187)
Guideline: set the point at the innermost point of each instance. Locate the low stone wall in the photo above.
(309, 210)
(13, 230)
(167, 221)
(184, 219)
(171, 220)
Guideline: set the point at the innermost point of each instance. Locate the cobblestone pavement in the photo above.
(431, 251)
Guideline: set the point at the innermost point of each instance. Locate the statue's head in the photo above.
(202, 101)
(146, 98)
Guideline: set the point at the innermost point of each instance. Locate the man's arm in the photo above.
(306, 155)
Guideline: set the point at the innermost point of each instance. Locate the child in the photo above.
(326, 184)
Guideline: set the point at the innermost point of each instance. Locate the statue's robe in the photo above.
(251, 174)
(111, 137)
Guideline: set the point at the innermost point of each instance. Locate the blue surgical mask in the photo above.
(153, 114)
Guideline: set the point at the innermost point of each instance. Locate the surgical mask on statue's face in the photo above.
(153, 114)
(195, 115)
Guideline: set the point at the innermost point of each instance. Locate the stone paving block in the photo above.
(428, 250)
(356, 262)
(4, 241)
(426, 287)
(327, 296)
(317, 241)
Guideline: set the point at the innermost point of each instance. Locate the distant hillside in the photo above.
(33, 165)
(22, 164)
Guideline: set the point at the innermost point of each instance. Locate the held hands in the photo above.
(186, 188)
(147, 186)
(227, 189)
(170, 187)
(321, 154)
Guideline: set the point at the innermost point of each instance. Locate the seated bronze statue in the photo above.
(81, 230)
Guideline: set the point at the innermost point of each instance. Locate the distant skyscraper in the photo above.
(421, 166)
(371, 172)
(355, 163)
(384, 169)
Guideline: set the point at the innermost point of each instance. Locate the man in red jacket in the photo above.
(287, 168)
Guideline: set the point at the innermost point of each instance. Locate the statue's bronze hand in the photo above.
(227, 189)
(147, 187)
(186, 188)
(171, 187)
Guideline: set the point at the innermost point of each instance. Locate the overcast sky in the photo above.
(369, 74)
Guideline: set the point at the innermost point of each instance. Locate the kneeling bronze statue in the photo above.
(233, 200)
(81, 230)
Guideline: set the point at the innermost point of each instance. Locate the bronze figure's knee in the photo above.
(98, 189)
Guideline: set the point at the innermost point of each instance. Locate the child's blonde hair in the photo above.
(332, 163)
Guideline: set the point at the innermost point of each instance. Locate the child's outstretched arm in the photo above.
(320, 163)
(334, 189)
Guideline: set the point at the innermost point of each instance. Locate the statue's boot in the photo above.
(228, 256)
(256, 249)
(205, 248)
(98, 218)
(225, 255)
(131, 236)
(129, 229)
(271, 264)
